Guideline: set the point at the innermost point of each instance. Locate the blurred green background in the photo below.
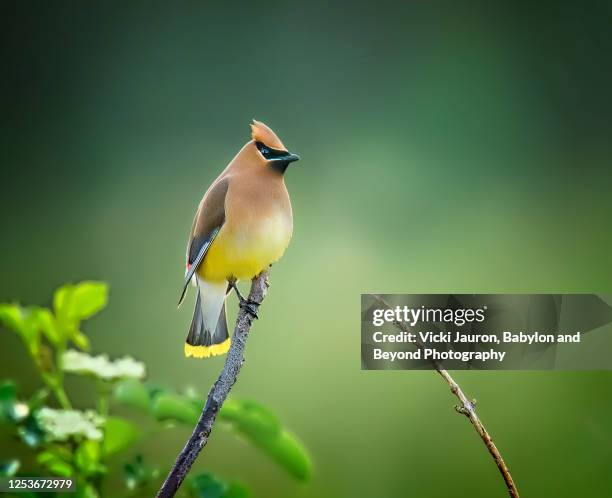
(445, 148)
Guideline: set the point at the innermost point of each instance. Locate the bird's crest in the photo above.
(262, 133)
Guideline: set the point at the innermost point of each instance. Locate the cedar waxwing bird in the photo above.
(243, 224)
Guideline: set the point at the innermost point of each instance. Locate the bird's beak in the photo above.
(286, 159)
(292, 158)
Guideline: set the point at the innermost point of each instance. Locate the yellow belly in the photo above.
(246, 251)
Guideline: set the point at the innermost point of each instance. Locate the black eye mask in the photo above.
(269, 153)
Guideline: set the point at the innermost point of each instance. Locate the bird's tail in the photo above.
(208, 335)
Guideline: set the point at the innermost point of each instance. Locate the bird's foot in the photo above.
(246, 304)
(249, 306)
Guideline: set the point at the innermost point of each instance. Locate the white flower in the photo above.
(20, 411)
(101, 366)
(61, 424)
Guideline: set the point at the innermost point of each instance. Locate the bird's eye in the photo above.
(267, 152)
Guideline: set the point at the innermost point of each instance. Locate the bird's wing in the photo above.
(208, 220)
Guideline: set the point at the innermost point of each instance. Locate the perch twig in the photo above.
(466, 408)
(218, 392)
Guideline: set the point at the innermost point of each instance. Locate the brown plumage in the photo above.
(243, 224)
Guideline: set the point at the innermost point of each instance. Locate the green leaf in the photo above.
(8, 391)
(260, 427)
(89, 298)
(58, 451)
(132, 393)
(56, 460)
(86, 490)
(45, 457)
(80, 301)
(168, 406)
(87, 458)
(61, 469)
(137, 474)
(237, 490)
(38, 399)
(119, 434)
(209, 486)
(47, 324)
(87, 454)
(8, 398)
(81, 341)
(251, 417)
(290, 454)
(23, 322)
(73, 303)
(9, 468)
(11, 317)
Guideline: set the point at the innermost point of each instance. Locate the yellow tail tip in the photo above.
(207, 351)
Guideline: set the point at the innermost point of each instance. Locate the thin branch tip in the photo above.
(466, 408)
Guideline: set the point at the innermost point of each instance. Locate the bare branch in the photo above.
(467, 408)
(218, 392)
